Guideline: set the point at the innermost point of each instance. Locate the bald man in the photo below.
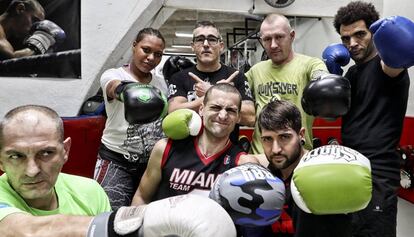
(35, 197)
(284, 75)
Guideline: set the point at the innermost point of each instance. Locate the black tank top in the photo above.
(185, 169)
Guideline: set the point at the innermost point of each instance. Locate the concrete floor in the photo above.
(405, 218)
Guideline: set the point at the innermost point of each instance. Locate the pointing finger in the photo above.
(195, 77)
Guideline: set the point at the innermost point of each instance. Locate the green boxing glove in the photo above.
(181, 124)
(332, 179)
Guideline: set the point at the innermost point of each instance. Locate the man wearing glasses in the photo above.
(187, 87)
(284, 75)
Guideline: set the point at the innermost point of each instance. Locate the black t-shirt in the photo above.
(373, 126)
(181, 84)
(185, 169)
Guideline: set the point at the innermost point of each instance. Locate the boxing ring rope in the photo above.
(60, 64)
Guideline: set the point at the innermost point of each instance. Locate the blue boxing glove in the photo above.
(394, 40)
(250, 194)
(335, 56)
(45, 34)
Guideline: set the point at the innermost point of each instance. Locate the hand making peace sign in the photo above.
(202, 86)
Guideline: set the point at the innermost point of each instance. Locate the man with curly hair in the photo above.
(373, 125)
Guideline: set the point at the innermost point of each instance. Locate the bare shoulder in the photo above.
(248, 102)
(177, 99)
(160, 146)
(157, 153)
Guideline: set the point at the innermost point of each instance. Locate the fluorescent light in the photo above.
(184, 35)
(181, 46)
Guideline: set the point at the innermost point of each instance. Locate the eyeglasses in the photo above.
(211, 40)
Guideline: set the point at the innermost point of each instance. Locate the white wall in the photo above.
(109, 26)
(314, 35)
(403, 8)
(323, 8)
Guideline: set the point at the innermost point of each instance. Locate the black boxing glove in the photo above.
(183, 63)
(328, 96)
(119, 90)
(44, 35)
(175, 64)
(142, 103)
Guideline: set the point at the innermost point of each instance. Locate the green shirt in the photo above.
(269, 82)
(76, 196)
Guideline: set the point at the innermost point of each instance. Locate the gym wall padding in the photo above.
(325, 130)
(86, 133)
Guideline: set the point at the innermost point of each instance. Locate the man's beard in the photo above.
(365, 54)
(290, 159)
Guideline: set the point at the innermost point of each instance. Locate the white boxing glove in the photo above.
(126, 220)
(185, 216)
